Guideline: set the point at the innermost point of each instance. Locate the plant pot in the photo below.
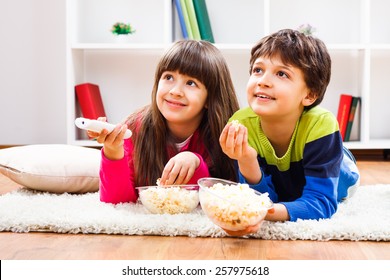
(124, 38)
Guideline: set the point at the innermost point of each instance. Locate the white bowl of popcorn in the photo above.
(232, 206)
(173, 199)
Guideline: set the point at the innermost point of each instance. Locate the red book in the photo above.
(90, 101)
(352, 117)
(343, 113)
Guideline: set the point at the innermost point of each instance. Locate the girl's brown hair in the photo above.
(203, 61)
(302, 51)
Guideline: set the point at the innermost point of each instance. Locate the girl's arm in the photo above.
(201, 172)
(116, 171)
(117, 177)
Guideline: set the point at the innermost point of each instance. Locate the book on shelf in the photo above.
(343, 113)
(348, 115)
(90, 100)
(202, 16)
(186, 18)
(193, 21)
(180, 15)
(353, 117)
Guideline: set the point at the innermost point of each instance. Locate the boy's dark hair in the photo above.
(302, 51)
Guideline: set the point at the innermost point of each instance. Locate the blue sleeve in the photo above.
(321, 164)
(318, 201)
(322, 161)
(264, 186)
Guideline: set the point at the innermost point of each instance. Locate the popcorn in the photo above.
(170, 200)
(236, 124)
(234, 207)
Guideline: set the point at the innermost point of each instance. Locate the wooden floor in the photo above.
(44, 246)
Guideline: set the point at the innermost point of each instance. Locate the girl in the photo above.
(175, 138)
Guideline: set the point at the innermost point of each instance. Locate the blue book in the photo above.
(181, 19)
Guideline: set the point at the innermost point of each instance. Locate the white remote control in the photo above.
(97, 126)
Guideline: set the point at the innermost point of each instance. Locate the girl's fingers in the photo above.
(181, 176)
(172, 176)
(92, 134)
(167, 170)
(121, 134)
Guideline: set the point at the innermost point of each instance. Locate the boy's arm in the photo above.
(234, 143)
(250, 170)
(279, 213)
(321, 163)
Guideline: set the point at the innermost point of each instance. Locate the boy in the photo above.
(285, 144)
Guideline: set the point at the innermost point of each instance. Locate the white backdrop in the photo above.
(32, 72)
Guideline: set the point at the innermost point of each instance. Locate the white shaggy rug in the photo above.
(366, 216)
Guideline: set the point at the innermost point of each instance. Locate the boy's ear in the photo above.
(309, 99)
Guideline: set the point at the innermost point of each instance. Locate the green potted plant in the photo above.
(122, 31)
(121, 28)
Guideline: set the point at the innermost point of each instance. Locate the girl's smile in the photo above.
(181, 99)
(174, 103)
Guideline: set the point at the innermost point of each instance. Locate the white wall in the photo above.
(32, 72)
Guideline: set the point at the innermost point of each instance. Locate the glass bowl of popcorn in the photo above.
(232, 206)
(172, 199)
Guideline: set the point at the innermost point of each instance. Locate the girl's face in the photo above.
(181, 99)
(277, 90)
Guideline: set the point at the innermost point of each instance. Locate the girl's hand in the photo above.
(234, 142)
(113, 142)
(93, 134)
(180, 169)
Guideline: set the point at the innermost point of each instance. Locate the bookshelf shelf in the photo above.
(357, 33)
(113, 46)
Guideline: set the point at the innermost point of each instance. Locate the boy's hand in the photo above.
(248, 230)
(234, 142)
(180, 169)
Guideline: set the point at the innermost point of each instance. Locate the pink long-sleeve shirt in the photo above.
(117, 183)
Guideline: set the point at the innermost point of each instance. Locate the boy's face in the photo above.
(277, 90)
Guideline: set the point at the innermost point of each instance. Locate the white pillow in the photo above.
(54, 168)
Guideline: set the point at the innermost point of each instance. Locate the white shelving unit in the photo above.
(357, 33)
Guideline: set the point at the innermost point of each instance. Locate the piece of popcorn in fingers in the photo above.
(236, 124)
